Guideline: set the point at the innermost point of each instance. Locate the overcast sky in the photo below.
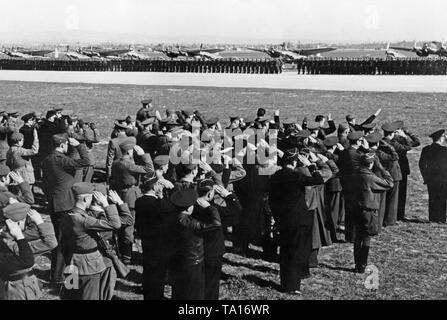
(233, 20)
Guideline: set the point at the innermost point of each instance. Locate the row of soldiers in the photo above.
(271, 182)
(147, 65)
(373, 66)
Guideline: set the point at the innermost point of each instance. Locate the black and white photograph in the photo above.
(208, 152)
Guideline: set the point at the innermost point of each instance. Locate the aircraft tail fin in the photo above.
(388, 47)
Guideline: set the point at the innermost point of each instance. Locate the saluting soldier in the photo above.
(433, 166)
(392, 197)
(404, 141)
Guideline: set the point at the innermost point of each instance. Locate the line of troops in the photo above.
(317, 181)
(355, 66)
(262, 66)
(373, 66)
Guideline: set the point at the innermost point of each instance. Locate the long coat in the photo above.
(58, 178)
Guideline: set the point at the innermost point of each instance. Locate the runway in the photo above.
(288, 80)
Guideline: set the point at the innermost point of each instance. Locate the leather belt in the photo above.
(86, 251)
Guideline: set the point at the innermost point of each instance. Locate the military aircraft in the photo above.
(26, 54)
(199, 53)
(100, 53)
(291, 55)
(428, 48)
(391, 54)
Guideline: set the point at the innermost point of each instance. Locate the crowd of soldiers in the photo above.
(358, 66)
(373, 66)
(180, 184)
(147, 65)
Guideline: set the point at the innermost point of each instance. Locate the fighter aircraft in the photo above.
(428, 48)
(291, 55)
(199, 53)
(391, 54)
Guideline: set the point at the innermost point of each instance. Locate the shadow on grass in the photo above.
(252, 279)
(249, 266)
(324, 265)
(416, 220)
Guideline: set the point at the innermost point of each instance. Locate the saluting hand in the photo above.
(138, 150)
(73, 142)
(101, 199)
(16, 177)
(14, 229)
(35, 217)
(115, 198)
(304, 160)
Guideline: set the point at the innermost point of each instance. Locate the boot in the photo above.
(357, 250)
(363, 259)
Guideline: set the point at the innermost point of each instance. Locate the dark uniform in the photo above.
(289, 208)
(58, 178)
(366, 186)
(433, 166)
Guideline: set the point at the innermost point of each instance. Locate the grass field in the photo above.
(411, 257)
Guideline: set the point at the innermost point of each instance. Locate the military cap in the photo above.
(234, 118)
(13, 114)
(145, 102)
(356, 135)
(67, 113)
(374, 137)
(4, 170)
(187, 113)
(399, 124)
(390, 127)
(16, 211)
(349, 117)
(82, 188)
(164, 121)
(170, 112)
(75, 117)
(330, 141)
(119, 125)
(303, 134)
(260, 112)
(57, 109)
(28, 116)
(205, 185)
(148, 121)
(262, 119)
(367, 158)
(59, 138)
(149, 182)
(15, 137)
(50, 113)
(121, 120)
(369, 126)
(211, 121)
(127, 145)
(184, 198)
(190, 166)
(438, 134)
(313, 125)
(37, 114)
(161, 160)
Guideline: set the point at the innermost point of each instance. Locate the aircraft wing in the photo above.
(313, 51)
(402, 49)
(107, 53)
(37, 52)
(212, 50)
(255, 49)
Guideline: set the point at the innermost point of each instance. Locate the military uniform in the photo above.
(80, 250)
(433, 167)
(58, 178)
